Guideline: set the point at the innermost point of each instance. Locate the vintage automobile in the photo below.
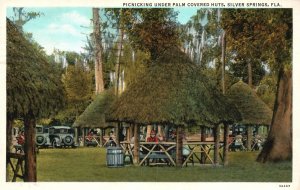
(42, 136)
(62, 136)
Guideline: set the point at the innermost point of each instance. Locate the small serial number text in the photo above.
(284, 185)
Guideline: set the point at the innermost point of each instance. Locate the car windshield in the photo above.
(39, 130)
(62, 131)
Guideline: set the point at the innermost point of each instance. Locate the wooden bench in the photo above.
(160, 158)
(20, 157)
(18, 148)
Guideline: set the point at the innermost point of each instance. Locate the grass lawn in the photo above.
(89, 164)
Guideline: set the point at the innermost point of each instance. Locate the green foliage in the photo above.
(201, 36)
(79, 92)
(133, 68)
(149, 30)
(32, 83)
(267, 90)
(21, 17)
(240, 70)
(263, 35)
(72, 57)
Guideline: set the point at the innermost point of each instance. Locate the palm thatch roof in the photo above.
(253, 110)
(32, 83)
(173, 90)
(95, 114)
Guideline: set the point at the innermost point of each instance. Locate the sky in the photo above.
(66, 28)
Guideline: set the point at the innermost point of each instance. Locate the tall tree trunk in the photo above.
(136, 148)
(226, 145)
(217, 144)
(250, 74)
(223, 61)
(9, 122)
(278, 145)
(29, 149)
(98, 52)
(179, 145)
(120, 45)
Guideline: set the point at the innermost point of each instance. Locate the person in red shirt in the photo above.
(153, 137)
(21, 138)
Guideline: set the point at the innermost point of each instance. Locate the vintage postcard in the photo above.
(149, 94)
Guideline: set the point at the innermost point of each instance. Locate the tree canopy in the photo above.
(250, 31)
(149, 30)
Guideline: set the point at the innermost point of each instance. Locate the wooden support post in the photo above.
(76, 135)
(179, 146)
(149, 128)
(249, 137)
(131, 129)
(136, 157)
(29, 148)
(83, 136)
(217, 144)
(226, 144)
(117, 131)
(128, 134)
(203, 138)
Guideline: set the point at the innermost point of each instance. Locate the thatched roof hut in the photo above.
(173, 90)
(32, 84)
(253, 110)
(95, 114)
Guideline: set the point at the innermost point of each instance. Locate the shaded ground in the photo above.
(89, 164)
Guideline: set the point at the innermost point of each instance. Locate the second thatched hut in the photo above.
(253, 110)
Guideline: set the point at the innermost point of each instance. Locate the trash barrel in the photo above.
(114, 157)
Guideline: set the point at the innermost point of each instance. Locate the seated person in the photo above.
(152, 137)
(172, 136)
(89, 136)
(238, 139)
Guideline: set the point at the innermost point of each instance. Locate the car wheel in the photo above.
(40, 140)
(68, 140)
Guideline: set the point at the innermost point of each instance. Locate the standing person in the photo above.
(111, 139)
(20, 141)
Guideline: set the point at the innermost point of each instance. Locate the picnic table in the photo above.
(161, 151)
(198, 148)
(128, 150)
(165, 152)
(91, 139)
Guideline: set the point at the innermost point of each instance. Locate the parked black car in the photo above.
(62, 136)
(42, 136)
